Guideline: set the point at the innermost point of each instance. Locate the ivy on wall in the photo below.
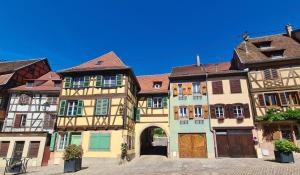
(276, 115)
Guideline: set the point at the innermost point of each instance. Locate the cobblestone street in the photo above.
(157, 165)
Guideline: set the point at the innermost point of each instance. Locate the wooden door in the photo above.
(192, 146)
(46, 156)
(222, 144)
(18, 151)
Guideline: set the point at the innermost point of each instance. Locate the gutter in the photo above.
(209, 118)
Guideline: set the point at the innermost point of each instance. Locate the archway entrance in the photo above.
(153, 141)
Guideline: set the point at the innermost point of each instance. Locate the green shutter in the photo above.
(68, 82)
(137, 115)
(76, 139)
(79, 107)
(119, 79)
(165, 102)
(99, 81)
(62, 107)
(101, 107)
(86, 81)
(53, 141)
(149, 102)
(68, 139)
(99, 142)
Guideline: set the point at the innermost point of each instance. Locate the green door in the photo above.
(76, 139)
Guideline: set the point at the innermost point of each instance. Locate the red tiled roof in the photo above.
(146, 83)
(11, 66)
(191, 70)
(105, 62)
(249, 53)
(5, 78)
(43, 83)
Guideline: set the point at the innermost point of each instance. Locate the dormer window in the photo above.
(29, 83)
(274, 54)
(57, 83)
(263, 45)
(157, 84)
(99, 62)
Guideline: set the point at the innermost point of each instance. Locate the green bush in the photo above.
(276, 115)
(285, 146)
(73, 151)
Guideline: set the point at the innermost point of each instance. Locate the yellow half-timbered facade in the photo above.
(97, 108)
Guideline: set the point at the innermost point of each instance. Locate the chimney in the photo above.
(198, 60)
(289, 29)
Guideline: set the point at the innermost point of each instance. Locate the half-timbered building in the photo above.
(152, 122)
(97, 107)
(30, 120)
(273, 65)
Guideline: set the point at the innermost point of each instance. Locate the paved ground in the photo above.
(158, 165)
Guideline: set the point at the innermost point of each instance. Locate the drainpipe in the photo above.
(169, 134)
(209, 117)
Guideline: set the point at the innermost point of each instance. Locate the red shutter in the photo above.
(246, 110)
(235, 86)
(217, 87)
(261, 100)
(18, 119)
(212, 111)
(34, 149)
(4, 148)
(228, 111)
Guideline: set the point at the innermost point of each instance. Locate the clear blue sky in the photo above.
(150, 36)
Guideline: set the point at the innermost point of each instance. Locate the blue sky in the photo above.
(150, 36)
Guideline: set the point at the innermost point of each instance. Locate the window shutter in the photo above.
(246, 110)
(99, 81)
(189, 88)
(274, 73)
(104, 106)
(138, 115)
(235, 86)
(184, 89)
(100, 142)
(101, 106)
(33, 149)
(4, 145)
(119, 79)
(18, 120)
(205, 111)
(62, 107)
(283, 99)
(165, 102)
(86, 81)
(68, 82)
(267, 74)
(217, 87)
(203, 88)
(261, 100)
(175, 89)
(228, 111)
(176, 114)
(53, 141)
(191, 112)
(212, 111)
(149, 102)
(79, 107)
(68, 139)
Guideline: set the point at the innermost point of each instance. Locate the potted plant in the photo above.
(72, 158)
(284, 151)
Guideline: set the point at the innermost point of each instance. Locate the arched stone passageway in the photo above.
(153, 141)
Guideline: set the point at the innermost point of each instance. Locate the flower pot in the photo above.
(72, 165)
(283, 157)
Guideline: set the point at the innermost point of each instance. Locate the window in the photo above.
(292, 98)
(99, 142)
(238, 111)
(183, 112)
(20, 120)
(23, 121)
(33, 149)
(198, 112)
(52, 100)
(180, 92)
(101, 107)
(157, 85)
(109, 81)
(235, 86)
(1, 101)
(274, 54)
(99, 62)
(4, 145)
(57, 83)
(72, 108)
(219, 111)
(263, 44)
(217, 87)
(29, 83)
(270, 74)
(63, 141)
(157, 102)
(196, 89)
(271, 100)
(78, 82)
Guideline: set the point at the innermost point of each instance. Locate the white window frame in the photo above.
(23, 120)
(196, 89)
(157, 86)
(109, 81)
(238, 111)
(72, 108)
(78, 82)
(183, 112)
(198, 112)
(157, 102)
(220, 111)
(63, 139)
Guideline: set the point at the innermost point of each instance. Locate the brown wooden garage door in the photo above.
(192, 145)
(235, 143)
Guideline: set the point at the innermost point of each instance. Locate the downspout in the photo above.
(169, 113)
(209, 117)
